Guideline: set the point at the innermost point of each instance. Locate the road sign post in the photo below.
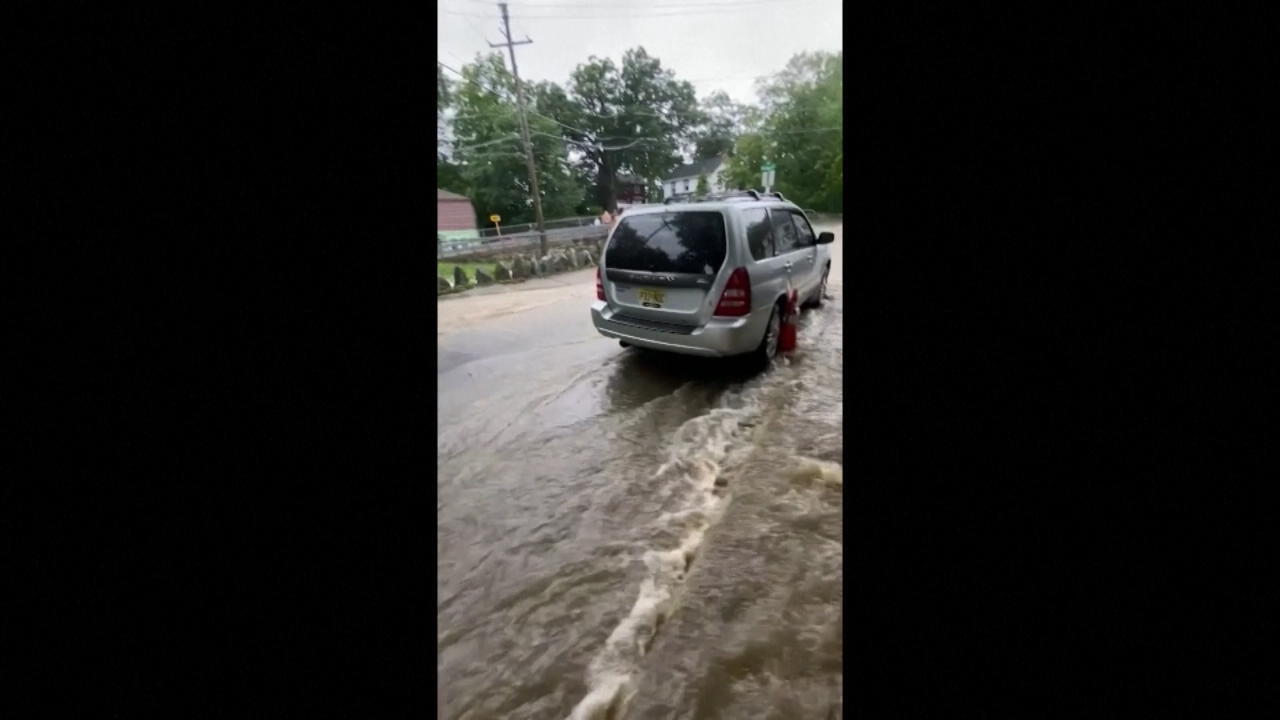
(767, 175)
(496, 219)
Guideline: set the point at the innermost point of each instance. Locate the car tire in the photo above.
(768, 348)
(816, 302)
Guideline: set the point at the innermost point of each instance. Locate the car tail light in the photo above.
(735, 301)
(599, 285)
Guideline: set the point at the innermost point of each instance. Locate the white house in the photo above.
(684, 179)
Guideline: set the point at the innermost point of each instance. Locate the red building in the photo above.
(631, 190)
(454, 213)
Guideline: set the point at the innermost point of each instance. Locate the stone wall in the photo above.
(518, 267)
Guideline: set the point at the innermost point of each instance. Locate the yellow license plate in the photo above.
(649, 295)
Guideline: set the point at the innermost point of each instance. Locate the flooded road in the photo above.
(624, 534)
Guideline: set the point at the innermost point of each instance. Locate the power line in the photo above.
(482, 156)
(455, 12)
(479, 32)
(614, 115)
(638, 15)
(598, 146)
(508, 98)
(586, 133)
(473, 82)
(662, 6)
(664, 11)
(635, 141)
(507, 138)
(612, 6)
(455, 57)
(505, 113)
(799, 132)
(501, 112)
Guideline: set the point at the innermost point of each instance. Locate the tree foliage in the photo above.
(448, 173)
(636, 118)
(800, 128)
(444, 95)
(490, 152)
(700, 190)
(723, 121)
(630, 118)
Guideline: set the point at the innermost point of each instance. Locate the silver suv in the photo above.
(709, 278)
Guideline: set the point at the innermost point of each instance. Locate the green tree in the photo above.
(750, 149)
(802, 130)
(799, 127)
(629, 118)
(700, 190)
(720, 129)
(442, 104)
(448, 173)
(490, 154)
(653, 190)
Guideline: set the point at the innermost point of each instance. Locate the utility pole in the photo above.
(524, 125)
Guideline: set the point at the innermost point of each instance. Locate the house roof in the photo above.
(696, 168)
(446, 195)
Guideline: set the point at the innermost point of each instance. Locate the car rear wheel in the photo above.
(768, 347)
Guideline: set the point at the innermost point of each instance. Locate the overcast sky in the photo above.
(715, 44)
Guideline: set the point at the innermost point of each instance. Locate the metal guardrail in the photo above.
(490, 232)
(563, 231)
(522, 241)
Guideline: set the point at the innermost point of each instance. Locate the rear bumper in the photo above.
(720, 337)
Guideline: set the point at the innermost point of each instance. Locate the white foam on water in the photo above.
(821, 471)
(688, 479)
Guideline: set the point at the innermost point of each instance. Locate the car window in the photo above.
(784, 232)
(681, 242)
(759, 233)
(803, 230)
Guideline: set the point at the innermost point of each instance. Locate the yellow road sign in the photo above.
(495, 218)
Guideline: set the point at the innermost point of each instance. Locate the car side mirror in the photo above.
(826, 237)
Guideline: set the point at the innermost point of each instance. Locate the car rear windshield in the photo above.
(673, 242)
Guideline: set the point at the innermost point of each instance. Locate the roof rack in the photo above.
(688, 198)
(757, 195)
(735, 195)
(732, 195)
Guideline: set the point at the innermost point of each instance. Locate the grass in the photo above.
(445, 269)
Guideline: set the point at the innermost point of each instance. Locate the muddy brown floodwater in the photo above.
(624, 534)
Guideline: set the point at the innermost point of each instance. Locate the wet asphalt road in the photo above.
(633, 535)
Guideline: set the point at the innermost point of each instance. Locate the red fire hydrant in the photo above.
(787, 335)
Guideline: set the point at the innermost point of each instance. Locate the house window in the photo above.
(686, 186)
